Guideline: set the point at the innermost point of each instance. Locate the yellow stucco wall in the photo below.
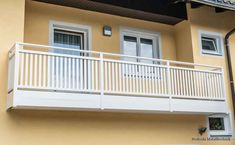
(184, 50)
(38, 16)
(89, 128)
(11, 30)
(205, 19)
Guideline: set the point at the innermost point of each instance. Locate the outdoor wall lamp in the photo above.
(107, 31)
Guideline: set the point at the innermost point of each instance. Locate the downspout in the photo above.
(230, 66)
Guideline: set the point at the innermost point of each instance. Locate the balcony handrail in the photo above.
(118, 55)
(119, 61)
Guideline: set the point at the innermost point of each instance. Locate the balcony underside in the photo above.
(33, 99)
(156, 10)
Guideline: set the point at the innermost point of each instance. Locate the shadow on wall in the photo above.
(108, 119)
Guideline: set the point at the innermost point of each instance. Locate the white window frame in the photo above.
(219, 43)
(227, 126)
(140, 33)
(85, 29)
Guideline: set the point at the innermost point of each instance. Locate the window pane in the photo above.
(130, 47)
(146, 49)
(209, 44)
(67, 39)
(216, 124)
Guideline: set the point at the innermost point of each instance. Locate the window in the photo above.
(68, 39)
(216, 123)
(211, 43)
(130, 47)
(219, 125)
(73, 37)
(141, 44)
(68, 35)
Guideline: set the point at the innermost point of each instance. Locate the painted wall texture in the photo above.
(38, 16)
(205, 19)
(30, 23)
(184, 48)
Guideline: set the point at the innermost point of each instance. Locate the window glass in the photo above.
(130, 47)
(68, 39)
(216, 123)
(146, 49)
(139, 46)
(209, 44)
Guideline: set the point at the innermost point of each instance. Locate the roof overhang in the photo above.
(163, 11)
(225, 4)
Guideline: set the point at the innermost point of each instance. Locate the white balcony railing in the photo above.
(46, 68)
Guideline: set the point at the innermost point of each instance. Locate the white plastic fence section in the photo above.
(51, 71)
(135, 78)
(37, 68)
(196, 83)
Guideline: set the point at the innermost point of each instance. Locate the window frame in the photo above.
(81, 35)
(85, 29)
(227, 126)
(218, 40)
(140, 33)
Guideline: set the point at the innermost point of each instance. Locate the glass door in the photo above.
(66, 67)
(140, 45)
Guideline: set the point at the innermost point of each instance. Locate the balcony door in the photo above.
(140, 44)
(68, 69)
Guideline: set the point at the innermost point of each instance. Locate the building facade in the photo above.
(131, 73)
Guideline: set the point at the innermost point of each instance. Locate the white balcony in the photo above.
(42, 77)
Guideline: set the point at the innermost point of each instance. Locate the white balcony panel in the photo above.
(24, 99)
(138, 103)
(55, 100)
(199, 106)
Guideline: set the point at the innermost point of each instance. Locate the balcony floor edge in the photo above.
(39, 100)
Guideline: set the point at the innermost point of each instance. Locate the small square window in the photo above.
(211, 44)
(219, 125)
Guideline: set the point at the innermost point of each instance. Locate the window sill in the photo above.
(221, 136)
(212, 54)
